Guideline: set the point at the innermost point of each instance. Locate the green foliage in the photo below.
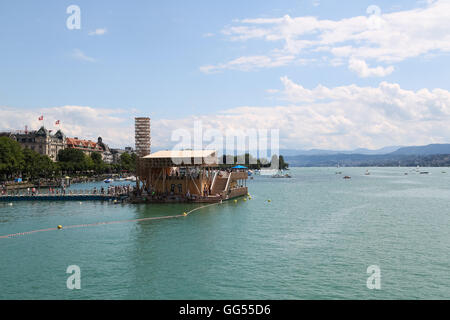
(74, 160)
(16, 161)
(71, 155)
(97, 158)
(283, 165)
(252, 162)
(125, 161)
(11, 157)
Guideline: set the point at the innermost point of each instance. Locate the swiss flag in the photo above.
(57, 122)
(41, 118)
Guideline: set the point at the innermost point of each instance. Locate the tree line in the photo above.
(18, 162)
(253, 163)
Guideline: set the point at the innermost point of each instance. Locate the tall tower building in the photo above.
(142, 136)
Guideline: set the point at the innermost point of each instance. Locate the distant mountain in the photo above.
(317, 152)
(424, 150)
(430, 155)
(384, 150)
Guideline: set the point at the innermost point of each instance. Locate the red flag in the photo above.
(57, 122)
(41, 118)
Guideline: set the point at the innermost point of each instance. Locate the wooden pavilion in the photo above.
(188, 176)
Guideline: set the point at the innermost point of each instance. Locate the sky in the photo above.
(327, 74)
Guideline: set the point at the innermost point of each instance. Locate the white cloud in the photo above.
(98, 32)
(250, 63)
(79, 55)
(385, 38)
(344, 117)
(76, 121)
(363, 70)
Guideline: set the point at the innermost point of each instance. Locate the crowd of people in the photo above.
(115, 190)
(120, 190)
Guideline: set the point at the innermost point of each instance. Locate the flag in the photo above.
(57, 122)
(41, 118)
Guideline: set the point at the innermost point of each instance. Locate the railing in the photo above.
(214, 180)
(239, 175)
(228, 182)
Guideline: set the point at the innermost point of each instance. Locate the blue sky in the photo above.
(175, 60)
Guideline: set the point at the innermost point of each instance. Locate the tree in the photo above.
(126, 161)
(97, 158)
(71, 155)
(11, 157)
(283, 165)
(72, 160)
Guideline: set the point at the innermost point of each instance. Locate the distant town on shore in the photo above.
(35, 154)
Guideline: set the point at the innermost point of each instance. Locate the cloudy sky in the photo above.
(327, 74)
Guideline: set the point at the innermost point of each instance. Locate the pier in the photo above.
(59, 197)
(117, 193)
(188, 176)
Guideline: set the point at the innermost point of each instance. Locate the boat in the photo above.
(424, 172)
(280, 174)
(347, 177)
(367, 173)
(132, 178)
(108, 180)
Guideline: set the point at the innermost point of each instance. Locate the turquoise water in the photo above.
(314, 240)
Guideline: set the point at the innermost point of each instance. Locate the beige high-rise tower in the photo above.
(142, 140)
(142, 136)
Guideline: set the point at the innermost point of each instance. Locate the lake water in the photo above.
(314, 240)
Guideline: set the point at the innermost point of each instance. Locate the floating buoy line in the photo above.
(60, 227)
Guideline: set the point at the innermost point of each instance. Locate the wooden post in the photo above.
(164, 180)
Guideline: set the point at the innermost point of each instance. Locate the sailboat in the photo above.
(338, 172)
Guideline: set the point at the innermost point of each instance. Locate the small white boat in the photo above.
(281, 175)
(108, 180)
